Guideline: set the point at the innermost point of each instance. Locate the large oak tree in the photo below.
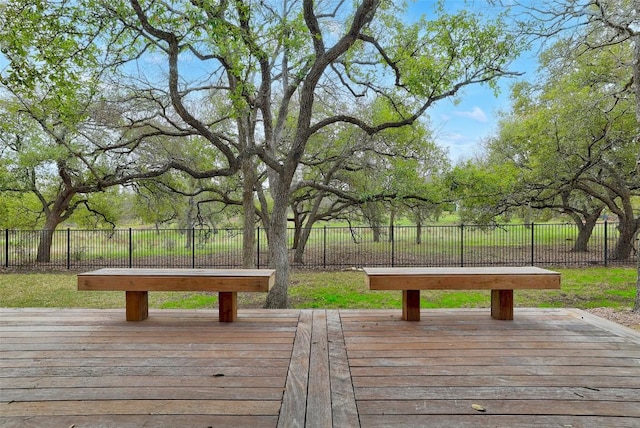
(272, 63)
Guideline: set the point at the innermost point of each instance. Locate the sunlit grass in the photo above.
(581, 288)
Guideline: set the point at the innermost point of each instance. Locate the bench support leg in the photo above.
(411, 305)
(502, 304)
(227, 306)
(137, 305)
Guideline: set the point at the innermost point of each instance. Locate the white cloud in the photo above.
(475, 114)
(459, 146)
(454, 138)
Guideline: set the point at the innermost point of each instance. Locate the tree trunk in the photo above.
(278, 297)
(189, 235)
(624, 244)
(371, 212)
(249, 224)
(527, 217)
(585, 229)
(376, 233)
(297, 229)
(54, 218)
(298, 256)
(418, 232)
(300, 240)
(300, 243)
(189, 223)
(44, 246)
(392, 219)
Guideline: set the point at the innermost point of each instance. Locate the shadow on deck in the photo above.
(316, 368)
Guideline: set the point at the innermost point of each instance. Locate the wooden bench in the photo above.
(500, 280)
(138, 282)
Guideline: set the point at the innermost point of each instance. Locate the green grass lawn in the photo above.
(581, 288)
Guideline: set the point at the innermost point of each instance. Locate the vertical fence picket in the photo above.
(258, 247)
(606, 245)
(324, 247)
(193, 247)
(393, 246)
(68, 248)
(533, 244)
(462, 245)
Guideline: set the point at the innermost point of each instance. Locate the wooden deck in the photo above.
(316, 368)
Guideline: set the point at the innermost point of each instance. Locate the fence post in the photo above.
(606, 244)
(461, 244)
(393, 246)
(6, 247)
(68, 248)
(193, 247)
(533, 238)
(258, 247)
(324, 247)
(130, 248)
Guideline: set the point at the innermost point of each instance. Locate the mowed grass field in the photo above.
(581, 288)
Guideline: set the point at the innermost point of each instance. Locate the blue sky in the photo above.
(461, 128)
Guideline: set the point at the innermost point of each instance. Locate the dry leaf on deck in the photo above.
(478, 408)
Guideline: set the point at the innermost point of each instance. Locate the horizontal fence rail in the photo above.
(326, 247)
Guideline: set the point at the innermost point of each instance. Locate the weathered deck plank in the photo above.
(509, 421)
(316, 368)
(343, 401)
(137, 421)
(294, 402)
(319, 389)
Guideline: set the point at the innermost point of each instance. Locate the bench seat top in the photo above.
(461, 278)
(142, 279)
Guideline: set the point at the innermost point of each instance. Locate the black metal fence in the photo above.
(327, 247)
